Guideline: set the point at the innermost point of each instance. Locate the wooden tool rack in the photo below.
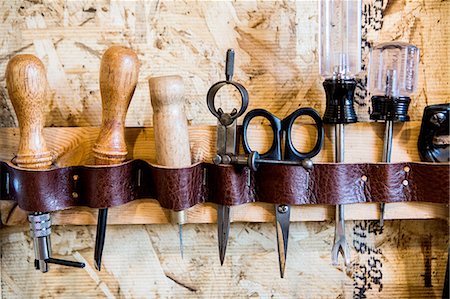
(72, 146)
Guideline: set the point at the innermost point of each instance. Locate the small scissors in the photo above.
(291, 154)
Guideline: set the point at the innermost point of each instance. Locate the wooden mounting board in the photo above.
(277, 60)
(73, 146)
(276, 45)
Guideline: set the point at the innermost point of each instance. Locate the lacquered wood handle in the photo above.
(169, 121)
(27, 84)
(119, 72)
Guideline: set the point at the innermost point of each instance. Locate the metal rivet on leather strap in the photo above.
(74, 194)
(204, 176)
(76, 177)
(7, 183)
(139, 173)
(406, 169)
(405, 182)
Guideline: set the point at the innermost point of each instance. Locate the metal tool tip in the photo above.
(282, 268)
(229, 65)
(222, 250)
(98, 265)
(222, 253)
(180, 234)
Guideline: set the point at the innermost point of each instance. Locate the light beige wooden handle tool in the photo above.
(169, 121)
(170, 129)
(119, 72)
(27, 84)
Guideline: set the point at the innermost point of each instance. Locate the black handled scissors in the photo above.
(280, 128)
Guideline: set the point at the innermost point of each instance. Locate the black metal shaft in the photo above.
(100, 237)
(65, 263)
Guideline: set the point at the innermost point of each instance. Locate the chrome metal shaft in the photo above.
(339, 142)
(40, 225)
(340, 243)
(387, 148)
(387, 152)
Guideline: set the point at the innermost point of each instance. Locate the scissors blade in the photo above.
(223, 229)
(282, 214)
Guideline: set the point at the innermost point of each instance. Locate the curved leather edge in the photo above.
(182, 188)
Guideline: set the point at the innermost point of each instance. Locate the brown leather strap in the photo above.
(178, 189)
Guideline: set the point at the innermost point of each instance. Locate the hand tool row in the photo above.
(282, 176)
(284, 180)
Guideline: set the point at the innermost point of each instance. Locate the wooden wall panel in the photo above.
(72, 146)
(276, 45)
(405, 261)
(277, 60)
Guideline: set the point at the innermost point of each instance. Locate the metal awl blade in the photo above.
(282, 214)
(223, 229)
(100, 237)
(180, 235)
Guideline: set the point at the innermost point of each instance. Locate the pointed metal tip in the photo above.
(382, 209)
(282, 268)
(180, 235)
(223, 230)
(98, 265)
(282, 215)
(222, 250)
(222, 259)
(100, 237)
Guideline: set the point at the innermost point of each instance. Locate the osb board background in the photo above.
(407, 260)
(275, 43)
(277, 60)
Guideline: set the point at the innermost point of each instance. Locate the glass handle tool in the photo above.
(392, 78)
(340, 61)
(119, 71)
